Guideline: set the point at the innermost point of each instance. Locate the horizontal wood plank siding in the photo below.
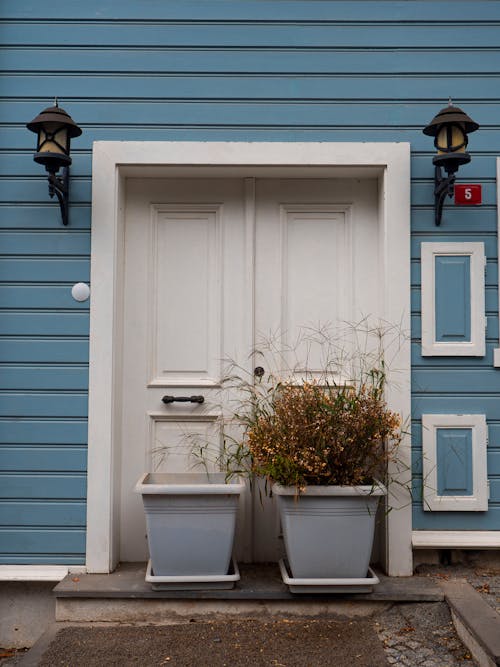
(287, 70)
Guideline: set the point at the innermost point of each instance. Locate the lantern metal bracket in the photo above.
(442, 187)
(59, 186)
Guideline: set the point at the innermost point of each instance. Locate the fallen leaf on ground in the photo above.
(484, 588)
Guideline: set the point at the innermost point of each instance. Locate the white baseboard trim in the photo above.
(35, 572)
(455, 539)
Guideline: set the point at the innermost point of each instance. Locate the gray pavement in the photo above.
(406, 634)
(416, 633)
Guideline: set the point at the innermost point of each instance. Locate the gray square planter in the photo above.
(328, 530)
(191, 519)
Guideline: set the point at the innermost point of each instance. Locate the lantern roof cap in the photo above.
(55, 114)
(448, 115)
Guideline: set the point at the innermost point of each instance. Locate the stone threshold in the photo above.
(258, 582)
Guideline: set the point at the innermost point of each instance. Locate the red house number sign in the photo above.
(467, 194)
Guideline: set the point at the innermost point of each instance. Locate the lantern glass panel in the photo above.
(451, 139)
(53, 138)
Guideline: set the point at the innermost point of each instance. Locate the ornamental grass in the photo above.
(297, 426)
(323, 434)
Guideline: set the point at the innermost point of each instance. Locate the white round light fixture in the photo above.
(80, 292)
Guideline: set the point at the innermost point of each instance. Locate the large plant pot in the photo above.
(328, 530)
(191, 519)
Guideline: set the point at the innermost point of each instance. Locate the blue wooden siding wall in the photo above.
(215, 70)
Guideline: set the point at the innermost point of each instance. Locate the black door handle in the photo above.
(183, 399)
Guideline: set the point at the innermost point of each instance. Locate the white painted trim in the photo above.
(456, 539)
(33, 572)
(112, 162)
(478, 500)
(476, 346)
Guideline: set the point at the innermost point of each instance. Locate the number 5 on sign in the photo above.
(468, 194)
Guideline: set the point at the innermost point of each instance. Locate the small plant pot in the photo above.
(328, 530)
(191, 520)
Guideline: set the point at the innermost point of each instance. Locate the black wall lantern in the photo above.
(450, 129)
(55, 129)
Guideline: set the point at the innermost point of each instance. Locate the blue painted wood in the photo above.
(42, 485)
(493, 464)
(42, 458)
(491, 299)
(454, 461)
(477, 403)
(43, 431)
(35, 377)
(254, 113)
(40, 296)
(491, 275)
(485, 362)
(31, 404)
(452, 298)
(454, 380)
(225, 10)
(20, 163)
(42, 215)
(493, 433)
(36, 189)
(482, 167)
(37, 559)
(455, 520)
(255, 34)
(422, 192)
(39, 513)
(458, 221)
(30, 350)
(51, 241)
(44, 323)
(245, 60)
(42, 540)
(161, 86)
(494, 487)
(45, 269)
(492, 331)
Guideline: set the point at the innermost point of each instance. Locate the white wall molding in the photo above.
(475, 347)
(477, 500)
(456, 539)
(33, 572)
(112, 163)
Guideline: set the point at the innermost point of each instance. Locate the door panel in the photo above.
(185, 273)
(185, 282)
(316, 266)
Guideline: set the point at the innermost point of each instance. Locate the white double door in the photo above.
(214, 267)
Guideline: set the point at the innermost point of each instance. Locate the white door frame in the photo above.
(113, 162)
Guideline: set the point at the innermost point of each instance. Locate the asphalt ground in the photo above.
(420, 634)
(278, 643)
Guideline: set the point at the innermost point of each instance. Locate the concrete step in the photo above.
(124, 595)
